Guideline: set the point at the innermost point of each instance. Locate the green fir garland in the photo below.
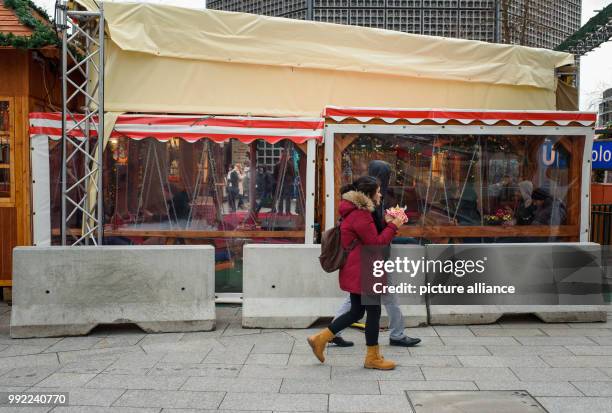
(43, 34)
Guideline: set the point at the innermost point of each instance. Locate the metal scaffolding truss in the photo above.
(82, 34)
(593, 39)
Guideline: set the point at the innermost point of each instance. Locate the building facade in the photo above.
(536, 23)
(604, 118)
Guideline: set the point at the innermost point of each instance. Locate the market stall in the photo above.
(466, 176)
(216, 180)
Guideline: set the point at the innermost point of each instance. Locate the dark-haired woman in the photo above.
(359, 199)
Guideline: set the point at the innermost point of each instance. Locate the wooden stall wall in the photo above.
(30, 82)
(13, 210)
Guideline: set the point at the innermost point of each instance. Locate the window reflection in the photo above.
(468, 180)
(5, 151)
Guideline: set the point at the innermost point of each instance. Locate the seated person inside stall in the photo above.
(549, 211)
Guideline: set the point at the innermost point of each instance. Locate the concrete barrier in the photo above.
(530, 266)
(60, 291)
(285, 287)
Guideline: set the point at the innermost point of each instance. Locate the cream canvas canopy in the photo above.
(164, 59)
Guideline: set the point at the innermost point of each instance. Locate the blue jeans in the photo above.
(396, 319)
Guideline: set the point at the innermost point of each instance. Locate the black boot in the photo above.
(340, 342)
(405, 342)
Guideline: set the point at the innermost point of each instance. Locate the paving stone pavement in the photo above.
(566, 367)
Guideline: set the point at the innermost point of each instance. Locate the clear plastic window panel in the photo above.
(470, 180)
(201, 193)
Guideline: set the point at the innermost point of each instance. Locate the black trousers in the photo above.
(355, 314)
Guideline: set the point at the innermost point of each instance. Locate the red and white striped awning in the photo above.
(466, 117)
(192, 128)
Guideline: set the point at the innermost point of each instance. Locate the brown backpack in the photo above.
(333, 256)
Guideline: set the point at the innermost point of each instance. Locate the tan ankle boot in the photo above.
(319, 341)
(374, 360)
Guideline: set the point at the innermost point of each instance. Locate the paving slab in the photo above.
(367, 403)
(535, 388)
(594, 388)
(578, 361)
(576, 404)
(507, 332)
(528, 350)
(65, 380)
(502, 361)
(73, 343)
(194, 369)
(480, 341)
(97, 409)
(26, 376)
(337, 386)
(590, 350)
(555, 341)
(559, 374)
(268, 359)
(32, 360)
(399, 387)
(170, 399)
(359, 373)
(276, 401)
(234, 385)
(468, 373)
(315, 371)
(454, 350)
(135, 382)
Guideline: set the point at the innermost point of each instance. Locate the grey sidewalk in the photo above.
(565, 367)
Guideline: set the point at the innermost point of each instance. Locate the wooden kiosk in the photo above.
(28, 83)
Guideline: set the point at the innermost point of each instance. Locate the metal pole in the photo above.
(86, 33)
(64, 22)
(85, 221)
(100, 156)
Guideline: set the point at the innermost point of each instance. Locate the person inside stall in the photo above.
(284, 175)
(246, 179)
(233, 186)
(240, 172)
(524, 213)
(549, 211)
(502, 192)
(261, 188)
(180, 203)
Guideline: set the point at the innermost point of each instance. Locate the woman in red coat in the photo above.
(358, 201)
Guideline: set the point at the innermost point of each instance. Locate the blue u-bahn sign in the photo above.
(602, 155)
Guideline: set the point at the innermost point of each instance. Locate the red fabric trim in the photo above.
(449, 114)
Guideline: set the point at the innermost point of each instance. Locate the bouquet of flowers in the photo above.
(501, 217)
(397, 212)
